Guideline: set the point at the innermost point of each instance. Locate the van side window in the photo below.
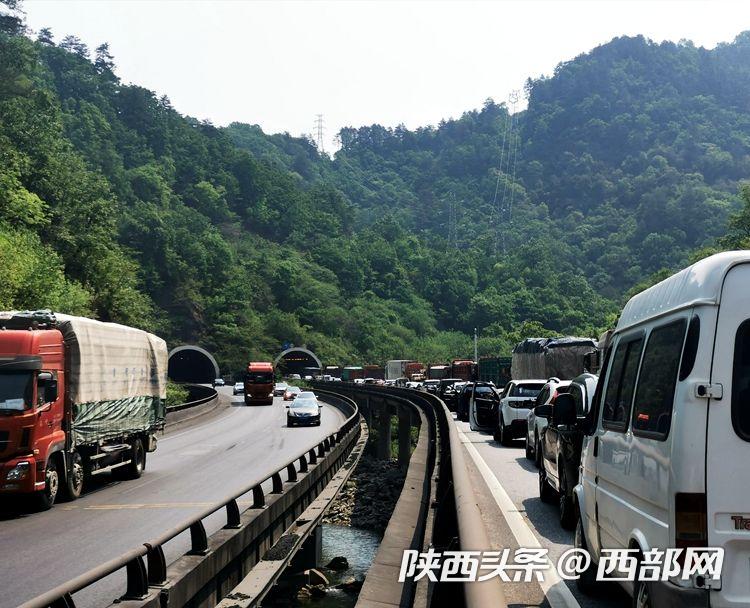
(654, 399)
(741, 382)
(621, 384)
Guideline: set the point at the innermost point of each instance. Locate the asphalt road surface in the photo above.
(507, 490)
(196, 465)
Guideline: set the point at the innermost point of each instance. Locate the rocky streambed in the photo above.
(352, 531)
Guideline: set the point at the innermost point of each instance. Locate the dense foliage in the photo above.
(113, 204)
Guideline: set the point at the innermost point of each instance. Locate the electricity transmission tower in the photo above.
(319, 133)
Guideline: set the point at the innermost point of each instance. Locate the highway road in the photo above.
(196, 464)
(507, 490)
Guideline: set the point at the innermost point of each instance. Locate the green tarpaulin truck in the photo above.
(78, 398)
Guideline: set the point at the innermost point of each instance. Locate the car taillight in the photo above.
(691, 529)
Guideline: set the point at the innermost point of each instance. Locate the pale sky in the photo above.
(278, 64)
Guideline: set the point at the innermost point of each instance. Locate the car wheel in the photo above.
(529, 453)
(46, 498)
(74, 479)
(546, 493)
(567, 510)
(505, 438)
(586, 581)
(537, 452)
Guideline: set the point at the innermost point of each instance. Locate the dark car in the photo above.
(560, 444)
(304, 410)
(431, 386)
(463, 396)
(447, 393)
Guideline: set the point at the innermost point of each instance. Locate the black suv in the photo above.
(560, 444)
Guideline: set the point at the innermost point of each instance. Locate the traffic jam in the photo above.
(636, 442)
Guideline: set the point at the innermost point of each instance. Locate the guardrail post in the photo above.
(291, 472)
(321, 450)
(278, 485)
(332, 441)
(302, 464)
(233, 515)
(137, 580)
(198, 539)
(312, 457)
(326, 444)
(157, 566)
(66, 601)
(404, 437)
(259, 498)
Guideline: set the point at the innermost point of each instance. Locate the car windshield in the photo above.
(302, 401)
(529, 391)
(16, 390)
(259, 377)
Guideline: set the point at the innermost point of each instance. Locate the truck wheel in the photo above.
(74, 479)
(138, 462)
(46, 498)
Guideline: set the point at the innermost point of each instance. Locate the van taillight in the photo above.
(690, 520)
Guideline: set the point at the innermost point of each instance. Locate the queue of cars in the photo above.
(652, 453)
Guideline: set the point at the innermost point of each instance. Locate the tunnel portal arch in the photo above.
(295, 360)
(190, 363)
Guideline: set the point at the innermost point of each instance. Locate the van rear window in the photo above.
(652, 411)
(741, 382)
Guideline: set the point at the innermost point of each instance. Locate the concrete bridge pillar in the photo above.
(404, 437)
(384, 432)
(310, 553)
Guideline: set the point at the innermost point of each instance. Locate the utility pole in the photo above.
(476, 356)
(319, 133)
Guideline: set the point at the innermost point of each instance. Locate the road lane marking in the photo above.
(555, 589)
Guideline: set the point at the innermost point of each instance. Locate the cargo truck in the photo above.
(333, 370)
(495, 370)
(562, 358)
(351, 373)
(463, 369)
(259, 383)
(78, 398)
(414, 371)
(438, 371)
(396, 368)
(375, 371)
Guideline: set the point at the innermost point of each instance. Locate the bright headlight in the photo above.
(18, 472)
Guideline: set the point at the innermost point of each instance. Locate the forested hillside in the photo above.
(627, 160)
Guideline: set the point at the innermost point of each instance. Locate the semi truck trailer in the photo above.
(78, 398)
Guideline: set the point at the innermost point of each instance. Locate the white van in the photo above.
(665, 463)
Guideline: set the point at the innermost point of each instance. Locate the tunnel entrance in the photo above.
(192, 364)
(298, 361)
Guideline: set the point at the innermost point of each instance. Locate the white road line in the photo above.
(555, 589)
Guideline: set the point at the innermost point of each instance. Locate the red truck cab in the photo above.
(259, 383)
(32, 411)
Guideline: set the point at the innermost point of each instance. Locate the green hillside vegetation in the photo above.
(114, 205)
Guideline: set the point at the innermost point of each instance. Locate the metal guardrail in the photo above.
(153, 572)
(458, 520)
(209, 394)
